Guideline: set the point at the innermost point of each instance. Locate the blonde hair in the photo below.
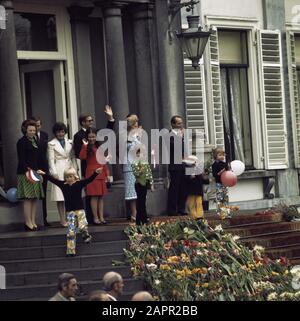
(71, 171)
(131, 121)
(217, 151)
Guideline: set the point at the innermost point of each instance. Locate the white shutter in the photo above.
(294, 95)
(272, 99)
(216, 95)
(196, 112)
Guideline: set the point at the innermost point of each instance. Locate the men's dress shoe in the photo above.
(46, 224)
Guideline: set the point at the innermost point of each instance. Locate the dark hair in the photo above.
(91, 130)
(173, 119)
(83, 117)
(36, 118)
(59, 126)
(64, 279)
(26, 123)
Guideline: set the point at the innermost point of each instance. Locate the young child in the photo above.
(76, 219)
(97, 189)
(144, 180)
(194, 183)
(218, 167)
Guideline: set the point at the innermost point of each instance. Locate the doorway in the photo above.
(44, 92)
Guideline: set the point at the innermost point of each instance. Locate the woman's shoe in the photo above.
(28, 229)
(103, 222)
(97, 223)
(62, 225)
(133, 218)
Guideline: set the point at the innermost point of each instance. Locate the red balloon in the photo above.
(228, 178)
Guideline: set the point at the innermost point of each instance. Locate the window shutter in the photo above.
(216, 95)
(196, 112)
(294, 95)
(272, 99)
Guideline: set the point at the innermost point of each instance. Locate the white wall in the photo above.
(231, 8)
(292, 11)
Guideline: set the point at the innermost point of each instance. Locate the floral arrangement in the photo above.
(188, 260)
(289, 212)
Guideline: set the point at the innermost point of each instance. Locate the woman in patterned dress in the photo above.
(129, 178)
(28, 158)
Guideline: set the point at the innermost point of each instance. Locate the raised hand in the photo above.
(85, 142)
(40, 172)
(109, 112)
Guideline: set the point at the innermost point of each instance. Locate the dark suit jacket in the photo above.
(43, 147)
(78, 137)
(28, 156)
(174, 140)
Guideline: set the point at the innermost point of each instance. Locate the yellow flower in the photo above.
(275, 273)
(165, 267)
(173, 259)
(205, 285)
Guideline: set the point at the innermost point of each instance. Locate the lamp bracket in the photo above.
(174, 7)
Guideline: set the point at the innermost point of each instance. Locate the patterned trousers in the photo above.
(222, 201)
(194, 203)
(76, 222)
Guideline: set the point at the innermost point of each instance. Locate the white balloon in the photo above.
(237, 167)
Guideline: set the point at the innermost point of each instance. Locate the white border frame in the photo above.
(251, 26)
(64, 53)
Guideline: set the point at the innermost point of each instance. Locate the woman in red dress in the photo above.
(97, 189)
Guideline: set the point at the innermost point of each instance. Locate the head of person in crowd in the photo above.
(113, 284)
(59, 130)
(86, 121)
(91, 135)
(219, 154)
(98, 296)
(70, 176)
(38, 122)
(177, 122)
(67, 285)
(142, 296)
(132, 122)
(28, 128)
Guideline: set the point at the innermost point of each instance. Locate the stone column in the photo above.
(115, 58)
(11, 114)
(142, 27)
(82, 58)
(170, 66)
(274, 19)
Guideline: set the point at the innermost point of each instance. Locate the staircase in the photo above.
(279, 238)
(34, 260)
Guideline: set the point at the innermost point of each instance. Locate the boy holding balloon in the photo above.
(218, 168)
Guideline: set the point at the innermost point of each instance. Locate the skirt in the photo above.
(130, 193)
(28, 190)
(96, 188)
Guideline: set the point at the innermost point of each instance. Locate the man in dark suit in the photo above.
(177, 189)
(86, 121)
(42, 139)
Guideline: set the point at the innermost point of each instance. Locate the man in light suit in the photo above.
(67, 288)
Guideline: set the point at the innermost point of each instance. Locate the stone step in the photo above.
(47, 291)
(94, 248)
(53, 237)
(64, 263)
(244, 219)
(51, 276)
(290, 252)
(259, 230)
(274, 239)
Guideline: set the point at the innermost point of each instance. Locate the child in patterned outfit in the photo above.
(218, 167)
(144, 180)
(76, 219)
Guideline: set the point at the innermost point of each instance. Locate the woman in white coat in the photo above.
(61, 157)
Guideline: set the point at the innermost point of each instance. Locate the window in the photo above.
(235, 96)
(35, 32)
